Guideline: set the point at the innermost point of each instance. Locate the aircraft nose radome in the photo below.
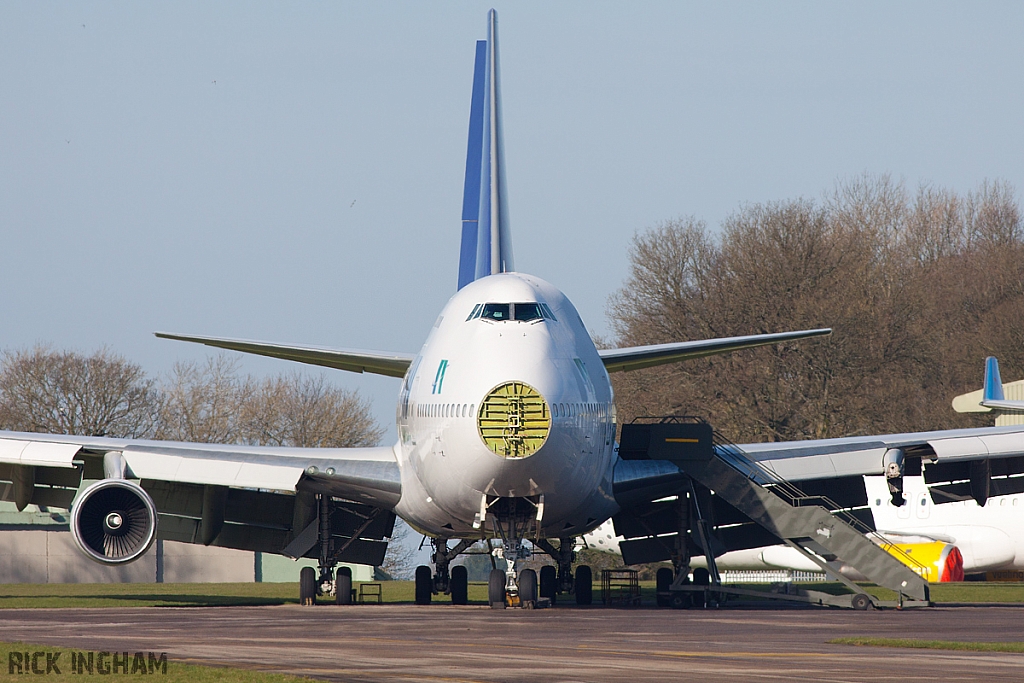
(514, 420)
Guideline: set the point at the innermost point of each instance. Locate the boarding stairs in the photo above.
(813, 525)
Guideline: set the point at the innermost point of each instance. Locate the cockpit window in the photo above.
(496, 311)
(527, 311)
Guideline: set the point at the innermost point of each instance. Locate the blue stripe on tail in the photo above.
(474, 159)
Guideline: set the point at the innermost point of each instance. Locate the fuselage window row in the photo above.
(445, 410)
(578, 410)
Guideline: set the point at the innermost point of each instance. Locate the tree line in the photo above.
(919, 287)
(104, 394)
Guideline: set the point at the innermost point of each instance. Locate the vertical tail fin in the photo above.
(486, 236)
(993, 390)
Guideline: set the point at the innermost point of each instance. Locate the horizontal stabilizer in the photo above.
(1005, 406)
(375, 362)
(637, 357)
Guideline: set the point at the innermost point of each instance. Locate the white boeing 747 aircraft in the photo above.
(506, 424)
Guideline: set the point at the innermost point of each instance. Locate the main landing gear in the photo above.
(562, 580)
(321, 582)
(324, 582)
(445, 579)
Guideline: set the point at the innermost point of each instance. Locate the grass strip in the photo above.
(49, 664)
(930, 644)
(28, 595)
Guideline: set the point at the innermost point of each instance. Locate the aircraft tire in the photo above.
(459, 585)
(307, 586)
(343, 586)
(528, 589)
(424, 585)
(496, 589)
(701, 577)
(548, 583)
(664, 580)
(584, 585)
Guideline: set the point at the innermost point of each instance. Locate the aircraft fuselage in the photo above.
(499, 407)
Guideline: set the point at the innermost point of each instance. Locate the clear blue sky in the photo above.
(293, 171)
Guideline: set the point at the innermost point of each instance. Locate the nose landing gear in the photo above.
(510, 521)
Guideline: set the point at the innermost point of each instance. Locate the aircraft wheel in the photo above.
(343, 586)
(861, 601)
(307, 586)
(496, 589)
(424, 585)
(528, 588)
(548, 583)
(701, 577)
(459, 585)
(584, 585)
(664, 580)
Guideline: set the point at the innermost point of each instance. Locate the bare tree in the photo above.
(64, 392)
(213, 403)
(299, 410)
(918, 289)
(201, 402)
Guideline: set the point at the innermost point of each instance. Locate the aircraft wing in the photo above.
(236, 496)
(861, 455)
(957, 465)
(376, 362)
(637, 357)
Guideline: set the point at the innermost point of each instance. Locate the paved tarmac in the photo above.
(445, 643)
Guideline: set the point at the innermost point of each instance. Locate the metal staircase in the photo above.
(813, 525)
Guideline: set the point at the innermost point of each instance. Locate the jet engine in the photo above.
(935, 561)
(113, 521)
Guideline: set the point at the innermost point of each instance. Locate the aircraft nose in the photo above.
(514, 420)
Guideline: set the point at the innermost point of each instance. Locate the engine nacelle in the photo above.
(113, 521)
(933, 561)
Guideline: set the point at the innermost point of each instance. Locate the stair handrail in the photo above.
(785, 489)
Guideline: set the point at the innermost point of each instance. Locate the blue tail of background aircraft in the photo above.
(486, 237)
(992, 395)
(993, 383)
